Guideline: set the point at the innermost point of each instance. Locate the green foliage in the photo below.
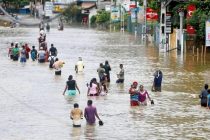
(17, 3)
(93, 20)
(72, 13)
(154, 4)
(198, 18)
(102, 16)
(198, 22)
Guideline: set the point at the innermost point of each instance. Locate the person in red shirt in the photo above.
(27, 48)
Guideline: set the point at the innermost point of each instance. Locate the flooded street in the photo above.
(32, 106)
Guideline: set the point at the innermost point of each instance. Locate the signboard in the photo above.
(133, 15)
(168, 23)
(126, 5)
(108, 8)
(190, 9)
(140, 15)
(151, 15)
(208, 33)
(62, 1)
(115, 14)
(132, 4)
(48, 9)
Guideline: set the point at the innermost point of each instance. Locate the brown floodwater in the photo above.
(32, 105)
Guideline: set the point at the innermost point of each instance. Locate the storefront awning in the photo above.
(88, 5)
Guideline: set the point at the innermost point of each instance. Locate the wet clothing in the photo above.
(103, 91)
(76, 115)
(27, 51)
(101, 72)
(53, 51)
(133, 97)
(80, 66)
(142, 96)
(57, 66)
(10, 54)
(120, 81)
(48, 27)
(203, 97)
(23, 56)
(51, 59)
(33, 54)
(57, 72)
(158, 80)
(71, 92)
(41, 55)
(107, 69)
(71, 85)
(15, 52)
(42, 39)
(93, 90)
(120, 76)
(90, 112)
(208, 98)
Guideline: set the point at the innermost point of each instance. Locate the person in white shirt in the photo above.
(79, 67)
(51, 59)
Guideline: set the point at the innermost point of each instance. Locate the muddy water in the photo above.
(32, 105)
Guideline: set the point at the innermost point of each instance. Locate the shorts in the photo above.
(120, 81)
(94, 94)
(58, 72)
(76, 125)
(71, 92)
(15, 58)
(134, 103)
(144, 103)
(22, 59)
(204, 104)
(102, 79)
(11, 56)
(41, 60)
(158, 89)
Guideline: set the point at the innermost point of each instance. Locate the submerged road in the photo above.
(32, 106)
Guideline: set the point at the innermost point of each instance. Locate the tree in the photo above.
(16, 3)
(198, 20)
(102, 17)
(72, 13)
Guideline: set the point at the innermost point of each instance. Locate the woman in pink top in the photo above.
(93, 89)
(143, 95)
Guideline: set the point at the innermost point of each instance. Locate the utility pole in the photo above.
(144, 27)
(136, 17)
(181, 14)
(162, 45)
(111, 16)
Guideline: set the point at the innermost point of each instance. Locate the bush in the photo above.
(102, 17)
(72, 13)
(93, 20)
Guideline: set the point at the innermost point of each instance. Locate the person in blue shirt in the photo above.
(203, 95)
(208, 99)
(158, 76)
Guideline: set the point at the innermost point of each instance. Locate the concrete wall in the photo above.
(173, 40)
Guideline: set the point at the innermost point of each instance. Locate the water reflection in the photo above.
(76, 133)
(90, 132)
